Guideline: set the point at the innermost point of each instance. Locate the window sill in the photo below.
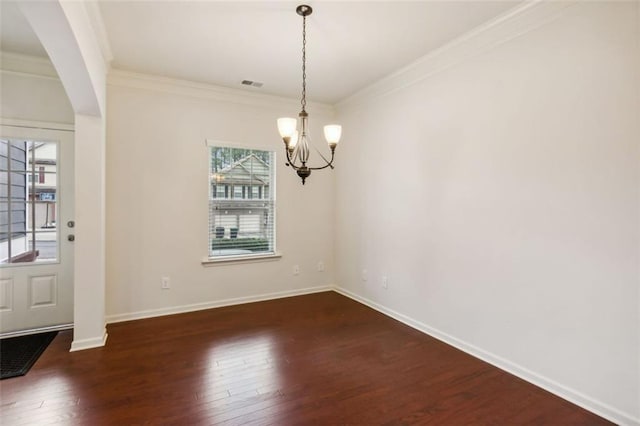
(241, 259)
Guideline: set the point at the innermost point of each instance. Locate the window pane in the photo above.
(16, 242)
(45, 217)
(45, 244)
(4, 219)
(4, 153)
(17, 153)
(28, 200)
(18, 186)
(250, 224)
(18, 217)
(237, 191)
(242, 222)
(4, 186)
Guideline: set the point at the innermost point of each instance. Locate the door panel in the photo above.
(36, 204)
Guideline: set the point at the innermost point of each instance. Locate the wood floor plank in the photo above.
(316, 359)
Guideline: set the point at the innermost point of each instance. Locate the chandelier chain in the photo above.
(303, 102)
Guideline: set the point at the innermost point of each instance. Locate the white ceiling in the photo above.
(350, 44)
(16, 34)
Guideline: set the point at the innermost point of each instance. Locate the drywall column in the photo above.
(66, 33)
(89, 263)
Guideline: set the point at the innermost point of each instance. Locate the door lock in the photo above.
(71, 224)
(71, 237)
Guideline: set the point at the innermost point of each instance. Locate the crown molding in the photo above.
(95, 17)
(29, 75)
(512, 24)
(30, 124)
(193, 89)
(19, 63)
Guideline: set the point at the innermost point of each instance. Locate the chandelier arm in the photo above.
(296, 153)
(289, 162)
(320, 154)
(329, 163)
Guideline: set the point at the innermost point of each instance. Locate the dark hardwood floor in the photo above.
(319, 359)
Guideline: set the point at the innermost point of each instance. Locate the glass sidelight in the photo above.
(28, 201)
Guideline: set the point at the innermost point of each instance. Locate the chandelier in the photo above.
(297, 142)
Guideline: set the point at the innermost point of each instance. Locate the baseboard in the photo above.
(94, 342)
(151, 313)
(552, 386)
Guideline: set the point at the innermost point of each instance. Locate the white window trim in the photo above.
(246, 258)
(229, 144)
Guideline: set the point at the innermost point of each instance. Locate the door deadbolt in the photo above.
(71, 224)
(71, 237)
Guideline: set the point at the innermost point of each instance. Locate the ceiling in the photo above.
(350, 44)
(16, 34)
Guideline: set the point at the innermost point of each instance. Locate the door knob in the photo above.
(71, 237)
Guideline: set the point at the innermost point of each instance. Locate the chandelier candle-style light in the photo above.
(297, 141)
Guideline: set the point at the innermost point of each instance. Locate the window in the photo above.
(241, 202)
(28, 201)
(219, 191)
(237, 191)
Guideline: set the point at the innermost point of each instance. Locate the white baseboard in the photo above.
(213, 304)
(94, 342)
(552, 386)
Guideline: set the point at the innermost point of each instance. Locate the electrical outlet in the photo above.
(364, 275)
(166, 283)
(320, 266)
(385, 283)
(296, 269)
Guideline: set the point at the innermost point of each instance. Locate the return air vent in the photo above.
(251, 83)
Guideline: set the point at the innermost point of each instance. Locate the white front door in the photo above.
(36, 228)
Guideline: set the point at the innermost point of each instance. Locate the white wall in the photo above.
(500, 195)
(31, 90)
(157, 198)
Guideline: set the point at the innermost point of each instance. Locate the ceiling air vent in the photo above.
(251, 83)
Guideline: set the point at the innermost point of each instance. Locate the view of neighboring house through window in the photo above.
(28, 202)
(241, 202)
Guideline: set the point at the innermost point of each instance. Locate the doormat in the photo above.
(18, 354)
